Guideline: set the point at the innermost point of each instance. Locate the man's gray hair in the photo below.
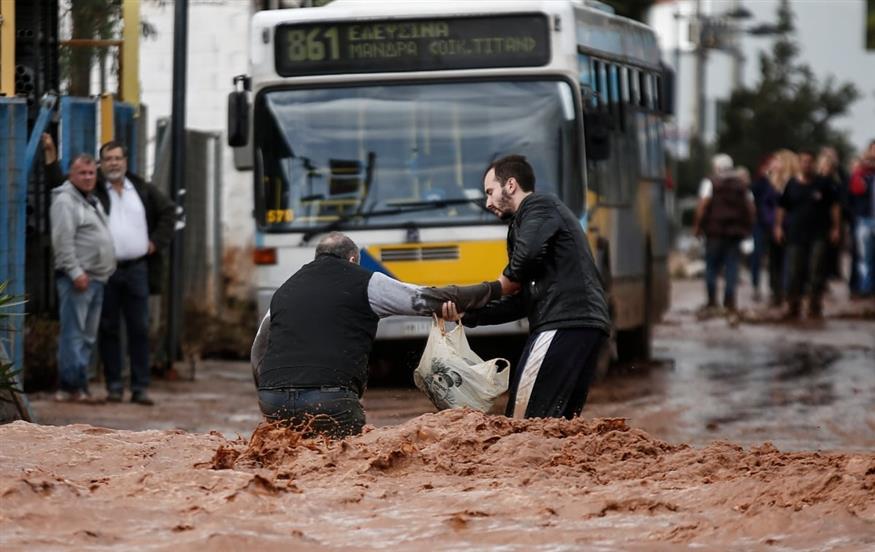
(86, 158)
(337, 244)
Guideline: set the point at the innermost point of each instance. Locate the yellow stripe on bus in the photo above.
(478, 261)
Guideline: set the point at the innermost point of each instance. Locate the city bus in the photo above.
(378, 119)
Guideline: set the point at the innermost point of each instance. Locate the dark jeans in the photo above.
(806, 264)
(127, 294)
(864, 233)
(722, 254)
(776, 270)
(854, 275)
(332, 411)
(79, 316)
(760, 245)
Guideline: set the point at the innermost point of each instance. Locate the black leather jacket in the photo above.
(549, 255)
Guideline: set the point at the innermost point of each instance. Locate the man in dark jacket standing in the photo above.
(141, 222)
(551, 278)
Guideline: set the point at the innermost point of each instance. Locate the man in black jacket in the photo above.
(552, 279)
(141, 221)
(310, 355)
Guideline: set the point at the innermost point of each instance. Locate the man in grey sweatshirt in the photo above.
(84, 261)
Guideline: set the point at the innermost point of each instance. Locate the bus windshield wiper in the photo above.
(429, 204)
(338, 223)
(399, 207)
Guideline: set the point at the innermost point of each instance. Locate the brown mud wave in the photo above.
(449, 480)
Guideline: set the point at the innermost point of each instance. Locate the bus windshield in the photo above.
(385, 155)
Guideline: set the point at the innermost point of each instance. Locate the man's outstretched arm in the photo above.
(388, 296)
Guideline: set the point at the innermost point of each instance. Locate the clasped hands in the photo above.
(450, 312)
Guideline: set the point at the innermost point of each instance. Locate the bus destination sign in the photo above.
(516, 40)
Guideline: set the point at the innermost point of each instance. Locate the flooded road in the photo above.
(734, 438)
(802, 387)
(808, 385)
(798, 396)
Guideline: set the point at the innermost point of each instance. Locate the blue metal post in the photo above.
(126, 133)
(13, 212)
(78, 128)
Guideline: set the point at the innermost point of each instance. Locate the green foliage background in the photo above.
(788, 108)
(634, 9)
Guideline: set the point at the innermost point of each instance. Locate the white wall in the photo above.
(218, 34)
(831, 37)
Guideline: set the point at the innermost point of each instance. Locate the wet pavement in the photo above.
(798, 396)
(804, 386)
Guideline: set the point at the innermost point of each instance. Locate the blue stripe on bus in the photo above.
(372, 264)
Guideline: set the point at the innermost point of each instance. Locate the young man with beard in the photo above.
(551, 278)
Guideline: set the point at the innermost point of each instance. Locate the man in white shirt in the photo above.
(141, 221)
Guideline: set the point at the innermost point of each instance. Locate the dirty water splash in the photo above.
(456, 479)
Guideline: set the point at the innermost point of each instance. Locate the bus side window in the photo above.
(587, 82)
(659, 103)
(643, 90)
(597, 84)
(623, 98)
(597, 171)
(614, 91)
(634, 91)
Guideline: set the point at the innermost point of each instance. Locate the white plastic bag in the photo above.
(453, 376)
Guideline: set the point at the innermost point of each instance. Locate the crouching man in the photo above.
(310, 355)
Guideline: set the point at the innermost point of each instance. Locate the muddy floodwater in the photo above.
(760, 436)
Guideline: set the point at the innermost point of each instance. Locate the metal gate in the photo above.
(13, 212)
(202, 258)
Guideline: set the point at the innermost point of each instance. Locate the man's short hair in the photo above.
(111, 145)
(337, 244)
(86, 158)
(515, 166)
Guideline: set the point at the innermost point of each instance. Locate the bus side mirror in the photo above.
(597, 133)
(238, 119)
(238, 112)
